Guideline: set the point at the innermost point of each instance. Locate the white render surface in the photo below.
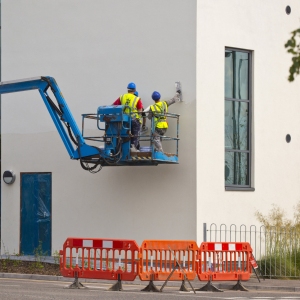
(263, 27)
(93, 48)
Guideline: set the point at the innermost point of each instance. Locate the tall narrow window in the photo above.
(237, 119)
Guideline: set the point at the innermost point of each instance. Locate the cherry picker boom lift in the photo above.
(114, 144)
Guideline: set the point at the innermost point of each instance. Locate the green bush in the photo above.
(281, 239)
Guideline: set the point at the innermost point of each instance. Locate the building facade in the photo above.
(234, 158)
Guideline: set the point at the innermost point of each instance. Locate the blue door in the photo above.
(35, 213)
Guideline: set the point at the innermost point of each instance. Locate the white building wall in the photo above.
(263, 27)
(93, 49)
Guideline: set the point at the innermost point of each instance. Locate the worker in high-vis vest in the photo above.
(158, 112)
(133, 105)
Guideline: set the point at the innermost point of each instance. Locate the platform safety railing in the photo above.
(146, 139)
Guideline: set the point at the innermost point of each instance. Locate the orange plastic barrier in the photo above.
(224, 261)
(253, 262)
(99, 258)
(157, 260)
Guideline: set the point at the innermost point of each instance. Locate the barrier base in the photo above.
(183, 288)
(239, 287)
(150, 287)
(76, 284)
(209, 287)
(117, 286)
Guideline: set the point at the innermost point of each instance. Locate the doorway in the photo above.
(36, 214)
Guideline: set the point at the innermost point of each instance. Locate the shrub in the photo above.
(281, 243)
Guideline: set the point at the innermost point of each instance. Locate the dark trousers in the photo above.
(135, 131)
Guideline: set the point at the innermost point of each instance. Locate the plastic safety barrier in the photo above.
(253, 262)
(109, 259)
(156, 260)
(167, 260)
(224, 261)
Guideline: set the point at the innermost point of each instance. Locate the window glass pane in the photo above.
(236, 168)
(236, 75)
(228, 74)
(236, 125)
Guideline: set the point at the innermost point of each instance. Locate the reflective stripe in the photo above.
(134, 102)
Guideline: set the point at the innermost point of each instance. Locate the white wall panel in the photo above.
(263, 27)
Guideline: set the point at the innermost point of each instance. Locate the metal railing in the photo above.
(146, 139)
(276, 249)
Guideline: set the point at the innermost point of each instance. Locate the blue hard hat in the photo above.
(131, 86)
(155, 96)
(136, 93)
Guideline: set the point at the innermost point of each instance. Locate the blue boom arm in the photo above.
(60, 114)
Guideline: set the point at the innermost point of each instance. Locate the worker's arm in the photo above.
(144, 118)
(140, 111)
(150, 114)
(139, 107)
(117, 102)
(176, 98)
(147, 109)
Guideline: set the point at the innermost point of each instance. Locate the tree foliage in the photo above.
(275, 219)
(293, 47)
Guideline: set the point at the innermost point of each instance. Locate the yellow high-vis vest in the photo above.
(131, 101)
(159, 110)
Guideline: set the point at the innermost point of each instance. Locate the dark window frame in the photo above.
(236, 187)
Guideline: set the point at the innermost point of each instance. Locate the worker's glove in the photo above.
(178, 95)
(144, 129)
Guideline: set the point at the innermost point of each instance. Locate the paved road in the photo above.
(12, 289)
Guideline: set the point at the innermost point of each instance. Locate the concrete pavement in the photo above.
(251, 285)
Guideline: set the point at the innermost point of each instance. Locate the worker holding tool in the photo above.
(158, 112)
(134, 106)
